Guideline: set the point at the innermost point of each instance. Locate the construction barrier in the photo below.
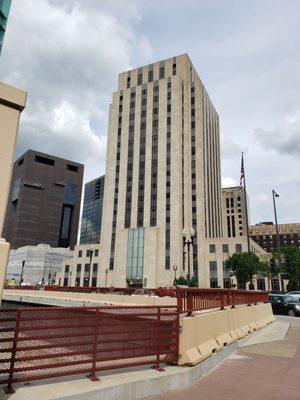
(203, 334)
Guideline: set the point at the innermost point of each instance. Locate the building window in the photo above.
(70, 193)
(94, 281)
(213, 271)
(161, 72)
(238, 248)
(65, 226)
(67, 268)
(44, 160)
(174, 69)
(261, 284)
(212, 248)
(135, 255)
(140, 79)
(77, 281)
(225, 248)
(16, 190)
(95, 267)
(78, 268)
(72, 168)
(96, 253)
(275, 284)
(80, 253)
(150, 76)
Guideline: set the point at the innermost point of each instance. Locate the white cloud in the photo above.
(68, 56)
(229, 182)
(284, 137)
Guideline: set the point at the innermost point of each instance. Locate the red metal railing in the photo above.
(79, 289)
(38, 343)
(195, 299)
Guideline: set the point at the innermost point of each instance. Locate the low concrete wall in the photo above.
(206, 333)
(83, 299)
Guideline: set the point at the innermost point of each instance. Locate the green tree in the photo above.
(193, 282)
(290, 263)
(244, 266)
(181, 281)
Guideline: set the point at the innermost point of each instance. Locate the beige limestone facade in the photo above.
(83, 269)
(234, 211)
(162, 174)
(12, 103)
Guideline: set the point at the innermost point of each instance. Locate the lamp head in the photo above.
(192, 232)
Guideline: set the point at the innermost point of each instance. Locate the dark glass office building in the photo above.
(4, 11)
(92, 211)
(44, 201)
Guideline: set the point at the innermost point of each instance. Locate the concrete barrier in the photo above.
(264, 314)
(203, 334)
(197, 339)
(222, 328)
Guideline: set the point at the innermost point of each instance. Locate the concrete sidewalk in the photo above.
(262, 370)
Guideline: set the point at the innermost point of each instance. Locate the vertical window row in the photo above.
(204, 160)
(142, 157)
(116, 193)
(182, 164)
(130, 153)
(168, 177)
(193, 180)
(154, 161)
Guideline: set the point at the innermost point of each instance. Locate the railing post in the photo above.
(9, 388)
(232, 299)
(189, 302)
(179, 299)
(222, 300)
(92, 376)
(158, 342)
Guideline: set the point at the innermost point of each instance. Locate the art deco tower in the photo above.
(162, 174)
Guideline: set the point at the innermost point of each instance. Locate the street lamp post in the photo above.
(274, 194)
(106, 272)
(50, 274)
(22, 270)
(188, 243)
(175, 268)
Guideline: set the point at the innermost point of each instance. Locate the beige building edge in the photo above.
(12, 103)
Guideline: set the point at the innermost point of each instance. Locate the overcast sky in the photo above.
(67, 54)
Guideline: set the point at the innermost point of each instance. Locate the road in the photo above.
(266, 371)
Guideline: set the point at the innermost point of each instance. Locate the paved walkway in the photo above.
(261, 371)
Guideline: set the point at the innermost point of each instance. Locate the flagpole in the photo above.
(246, 204)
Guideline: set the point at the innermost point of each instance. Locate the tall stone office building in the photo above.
(91, 219)
(162, 175)
(44, 201)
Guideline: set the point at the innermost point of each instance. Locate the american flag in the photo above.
(242, 172)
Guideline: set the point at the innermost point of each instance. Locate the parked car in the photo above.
(294, 293)
(285, 304)
(143, 292)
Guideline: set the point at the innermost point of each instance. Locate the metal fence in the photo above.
(195, 299)
(88, 289)
(43, 342)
